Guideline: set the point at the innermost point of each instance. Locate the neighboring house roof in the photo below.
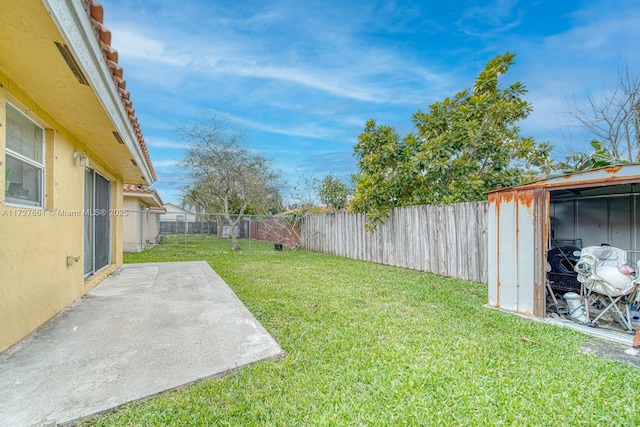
(170, 207)
(103, 35)
(150, 195)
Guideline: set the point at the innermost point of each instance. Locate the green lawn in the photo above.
(370, 345)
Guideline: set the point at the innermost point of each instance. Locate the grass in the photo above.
(371, 345)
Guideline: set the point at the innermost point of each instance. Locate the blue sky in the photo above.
(300, 78)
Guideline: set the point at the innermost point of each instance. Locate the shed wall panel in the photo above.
(620, 217)
(592, 221)
(493, 261)
(508, 260)
(635, 231)
(540, 243)
(524, 253)
(564, 220)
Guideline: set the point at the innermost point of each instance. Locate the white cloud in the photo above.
(164, 143)
(369, 76)
(316, 79)
(160, 164)
(497, 16)
(593, 42)
(312, 131)
(133, 43)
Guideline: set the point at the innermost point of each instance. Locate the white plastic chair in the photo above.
(607, 280)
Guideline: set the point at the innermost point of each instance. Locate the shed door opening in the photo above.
(585, 217)
(593, 216)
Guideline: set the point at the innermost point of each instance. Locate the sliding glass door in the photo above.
(97, 222)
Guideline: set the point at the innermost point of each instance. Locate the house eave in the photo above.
(152, 197)
(74, 26)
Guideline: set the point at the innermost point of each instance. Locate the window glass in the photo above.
(22, 182)
(88, 221)
(24, 137)
(24, 160)
(97, 222)
(102, 222)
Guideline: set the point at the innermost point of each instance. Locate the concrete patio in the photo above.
(146, 329)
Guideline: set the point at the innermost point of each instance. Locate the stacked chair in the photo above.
(609, 284)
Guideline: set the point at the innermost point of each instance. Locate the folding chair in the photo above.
(609, 283)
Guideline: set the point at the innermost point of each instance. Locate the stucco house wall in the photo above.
(144, 209)
(90, 144)
(38, 280)
(131, 228)
(151, 226)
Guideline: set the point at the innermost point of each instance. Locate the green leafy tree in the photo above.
(601, 157)
(463, 147)
(333, 193)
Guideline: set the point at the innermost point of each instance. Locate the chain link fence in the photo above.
(147, 228)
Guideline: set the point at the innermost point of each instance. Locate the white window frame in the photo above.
(12, 201)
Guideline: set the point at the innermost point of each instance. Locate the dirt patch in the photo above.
(608, 350)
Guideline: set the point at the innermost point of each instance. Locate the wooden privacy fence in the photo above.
(448, 240)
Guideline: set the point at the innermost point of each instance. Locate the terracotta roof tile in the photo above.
(95, 12)
(110, 52)
(130, 188)
(103, 32)
(140, 189)
(116, 70)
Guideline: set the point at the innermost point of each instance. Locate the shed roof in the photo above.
(606, 176)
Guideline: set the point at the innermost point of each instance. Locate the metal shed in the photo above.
(525, 222)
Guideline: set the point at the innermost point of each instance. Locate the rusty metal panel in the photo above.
(493, 251)
(622, 174)
(635, 232)
(507, 251)
(525, 254)
(596, 177)
(541, 220)
(517, 224)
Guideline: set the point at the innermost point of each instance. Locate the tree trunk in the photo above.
(234, 239)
